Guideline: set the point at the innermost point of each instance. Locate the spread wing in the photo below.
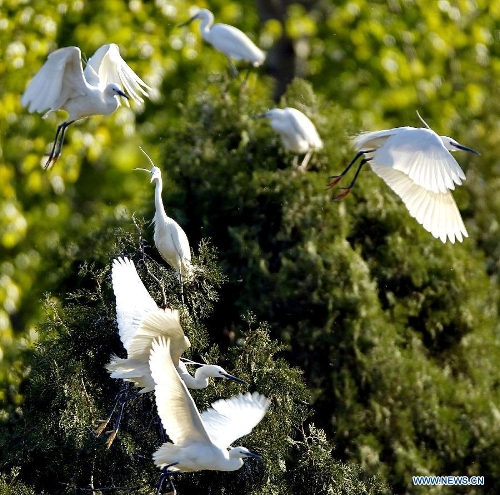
(133, 301)
(437, 212)
(178, 413)
(110, 67)
(419, 153)
(229, 419)
(156, 324)
(59, 79)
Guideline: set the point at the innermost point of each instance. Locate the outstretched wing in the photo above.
(133, 301)
(156, 324)
(59, 79)
(437, 212)
(110, 67)
(229, 419)
(178, 413)
(418, 153)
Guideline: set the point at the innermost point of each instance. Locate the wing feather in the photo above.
(60, 78)
(229, 419)
(437, 212)
(177, 410)
(133, 301)
(304, 127)
(111, 68)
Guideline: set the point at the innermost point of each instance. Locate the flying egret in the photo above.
(140, 321)
(199, 441)
(62, 84)
(296, 130)
(417, 165)
(170, 239)
(229, 40)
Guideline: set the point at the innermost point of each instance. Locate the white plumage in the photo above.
(298, 134)
(200, 441)
(62, 84)
(229, 40)
(418, 166)
(140, 321)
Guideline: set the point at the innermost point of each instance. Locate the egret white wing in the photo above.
(231, 41)
(437, 212)
(133, 301)
(420, 154)
(111, 68)
(229, 419)
(304, 127)
(177, 410)
(60, 78)
(155, 324)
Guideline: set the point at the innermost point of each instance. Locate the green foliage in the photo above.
(396, 335)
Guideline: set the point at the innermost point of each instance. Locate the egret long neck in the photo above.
(160, 210)
(206, 24)
(199, 380)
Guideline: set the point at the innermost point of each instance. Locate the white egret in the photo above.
(62, 84)
(200, 442)
(296, 130)
(140, 321)
(170, 239)
(417, 165)
(229, 40)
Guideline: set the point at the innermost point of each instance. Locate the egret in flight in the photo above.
(417, 165)
(229, 40)
(140, 321)
(62, 84)
(296, 130)
(199, 441)
(170, 239)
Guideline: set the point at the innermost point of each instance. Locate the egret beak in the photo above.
(121, 93)
(255, 456)
(260, 116)
(143, 169)
(465, 148)
(187, 22)
(234, 378)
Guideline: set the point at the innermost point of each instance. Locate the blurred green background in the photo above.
(397, 333)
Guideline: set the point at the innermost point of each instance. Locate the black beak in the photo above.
(255, 456)
(234, 378)
(465, 148)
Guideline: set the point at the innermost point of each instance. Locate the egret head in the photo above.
(451, 145)
(202, 14)
(218, 372)
(274, 113)
(242, 452)
(116, 90)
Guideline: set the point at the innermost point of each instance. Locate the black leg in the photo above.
(354, 160)
(165, 475)
(347, 189)
(58, 144)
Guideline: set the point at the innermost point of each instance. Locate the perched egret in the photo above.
(140, 321)
(417, 165)
(296, 130)
(170, 239)
(200, 441)
(62, 84)
(229, 40)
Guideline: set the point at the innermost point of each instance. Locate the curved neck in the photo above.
(206, 23)
(199, 380)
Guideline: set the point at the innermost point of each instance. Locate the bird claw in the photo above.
(342, 195)
(101, 428)
(335, 181)
(111, 438)
(51, 161)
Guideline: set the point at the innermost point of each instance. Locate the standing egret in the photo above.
(417, 165)
(62, 84)
(229, 40)
(296, 130)
(200, 441)
(170, 239)
(140, 321)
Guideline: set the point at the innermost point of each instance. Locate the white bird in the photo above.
(229, 40)
(296, 130)
(62, 84)
(199, 441)
(417, 165)
(140, 321)
(170, 239)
